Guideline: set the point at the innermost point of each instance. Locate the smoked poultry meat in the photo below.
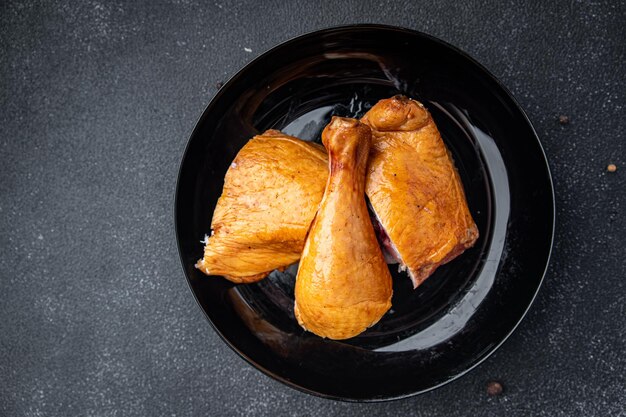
(414, 188)
(343, 284)
(286, 200)
(271, 193)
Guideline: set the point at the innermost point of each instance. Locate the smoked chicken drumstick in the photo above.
(343, 284)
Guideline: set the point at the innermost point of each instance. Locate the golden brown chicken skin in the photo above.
(343, 284)
(271, 193)
(414, 188)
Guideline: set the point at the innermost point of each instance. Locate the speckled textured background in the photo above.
(97, 102)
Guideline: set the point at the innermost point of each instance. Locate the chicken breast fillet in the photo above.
(343, 284)
(271, 193)
(414, 188)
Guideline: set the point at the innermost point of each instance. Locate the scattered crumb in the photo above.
(494, 388)
(611, 168)
(219, 85)
(563, 119)
(247, 49)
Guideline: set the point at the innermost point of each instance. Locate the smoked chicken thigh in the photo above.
(271, 193)
(414, 188)
(343, 284)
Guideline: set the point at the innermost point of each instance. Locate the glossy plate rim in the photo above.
(320, 32)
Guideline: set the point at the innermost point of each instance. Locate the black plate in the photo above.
(463, 312)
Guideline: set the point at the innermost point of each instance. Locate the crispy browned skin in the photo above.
(271, 193)
(415, 189)
(343, 284)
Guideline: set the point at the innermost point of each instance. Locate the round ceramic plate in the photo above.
(463, 312)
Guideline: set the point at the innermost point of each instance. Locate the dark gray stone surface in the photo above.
(97, 101)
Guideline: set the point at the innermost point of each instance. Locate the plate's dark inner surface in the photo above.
(463, 311)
